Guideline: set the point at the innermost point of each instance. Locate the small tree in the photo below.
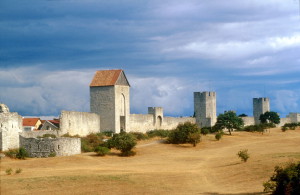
(243, 154)
(229, 120)
(286, 180)
(269, 117)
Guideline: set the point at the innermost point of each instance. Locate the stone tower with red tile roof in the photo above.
(109, 98)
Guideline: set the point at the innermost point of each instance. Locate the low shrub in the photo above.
(243, 155)
(124, 142)
(194, 138)
(22, 153)
(12, 153)
(47, 135)
(158, 133)
(68, 135)
(139, 136)
(108, 133)
(290, 126)
(205, 130)
(52, 154)
(18, 171)
(8, 171)
(91, 141)
(19, 153)
(102, 151)
(283, 128)
(183, 132)
(285, 180)
(219, 135)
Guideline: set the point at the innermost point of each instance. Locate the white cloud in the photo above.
(40, 91)
(173, 94)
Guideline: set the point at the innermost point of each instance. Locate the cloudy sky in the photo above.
(50, 50)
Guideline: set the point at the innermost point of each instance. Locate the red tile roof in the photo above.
(30, 121)
(105, 78)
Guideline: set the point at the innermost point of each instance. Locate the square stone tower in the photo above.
(205, 107)
(109, 98)
(260, 106)
(10, 127)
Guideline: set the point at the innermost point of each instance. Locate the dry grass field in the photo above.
(210, 168)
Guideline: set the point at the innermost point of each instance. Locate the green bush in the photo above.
(18, 171)
(243, 155)
(19, 153)
(285, 180)
(124, 142)
(91, 141)
(185, 133)
(291, 126)
(139, 136)
(158, 133)
(205, 130)
(22, 153)
(68, 135)
(102, 151)
(47, 135)
(52, 154)
(8, 171)
(108, 133)
(194, 138)
(12, 153)
(284, 128)
(219, 135)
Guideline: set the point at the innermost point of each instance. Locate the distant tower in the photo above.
(205, 108)
(109, 97)
(260, 106)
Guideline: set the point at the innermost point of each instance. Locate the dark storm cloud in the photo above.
(241, 49)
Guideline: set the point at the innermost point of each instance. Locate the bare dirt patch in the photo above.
(210, 168)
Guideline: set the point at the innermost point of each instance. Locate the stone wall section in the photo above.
(248, 120)
(122, 108)
(295, 117)
(40, 133)
(10, 127)
(43, 147)
(79, 123)
(155, 120)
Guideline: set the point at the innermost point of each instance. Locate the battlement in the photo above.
(261, 99)
(205, 94)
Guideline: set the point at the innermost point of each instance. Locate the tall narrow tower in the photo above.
(260, 106)
(205, 108)
(109, 97)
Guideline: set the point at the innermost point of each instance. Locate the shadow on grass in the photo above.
(232, 164)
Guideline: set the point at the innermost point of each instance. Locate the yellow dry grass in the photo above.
(210, 168)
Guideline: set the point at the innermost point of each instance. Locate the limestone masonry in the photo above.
(110, 111)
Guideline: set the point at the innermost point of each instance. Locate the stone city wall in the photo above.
(146, 122)
(35, 134)
(79, 123)
(172, 122)
(10, 127)
(283, 121)
(248, 120)
(43, 147)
